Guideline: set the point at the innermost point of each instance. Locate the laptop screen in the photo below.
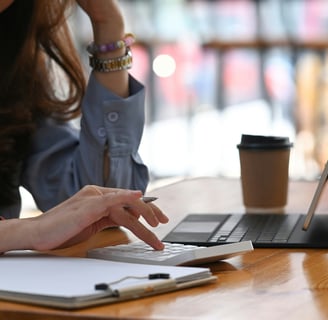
(316, 198)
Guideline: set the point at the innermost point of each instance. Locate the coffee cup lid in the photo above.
(263, 142)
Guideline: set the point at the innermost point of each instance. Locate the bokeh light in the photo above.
(164, 65)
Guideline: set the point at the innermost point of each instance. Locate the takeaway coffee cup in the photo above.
(264, 163)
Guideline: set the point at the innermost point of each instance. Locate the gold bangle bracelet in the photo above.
(113, 64)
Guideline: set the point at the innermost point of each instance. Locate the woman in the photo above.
(42, 152)
(42, 87)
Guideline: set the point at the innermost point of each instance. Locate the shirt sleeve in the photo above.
(65, 158)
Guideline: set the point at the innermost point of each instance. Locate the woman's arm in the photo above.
(89, 211)
(108, 27)
(105, 151)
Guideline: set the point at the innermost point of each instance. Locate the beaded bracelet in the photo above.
(113, 64)
(127, 41)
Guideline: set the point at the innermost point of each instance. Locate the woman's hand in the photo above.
(93, 209)
(90, 210)
(101, 11)
(106, 18)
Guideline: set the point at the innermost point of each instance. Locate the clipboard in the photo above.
(70, 283)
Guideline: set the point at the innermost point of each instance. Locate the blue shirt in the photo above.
(64, 158)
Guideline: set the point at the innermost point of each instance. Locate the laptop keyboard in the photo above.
(257, 228)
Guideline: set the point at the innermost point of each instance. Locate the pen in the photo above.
(145, 200)
(148, 199)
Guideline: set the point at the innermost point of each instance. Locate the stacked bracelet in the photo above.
(113, 64)
(127, 41)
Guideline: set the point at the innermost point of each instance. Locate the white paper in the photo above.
(75, 277)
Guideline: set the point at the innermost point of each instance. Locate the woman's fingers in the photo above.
(162, 218)
(150, 212)
(138, 229)
(124, 208)
(129, 218)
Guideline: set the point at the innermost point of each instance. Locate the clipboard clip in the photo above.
(135, 290)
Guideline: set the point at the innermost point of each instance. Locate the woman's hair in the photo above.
(37, 54)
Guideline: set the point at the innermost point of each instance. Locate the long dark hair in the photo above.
(36, 49)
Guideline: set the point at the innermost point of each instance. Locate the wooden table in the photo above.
(263, 284)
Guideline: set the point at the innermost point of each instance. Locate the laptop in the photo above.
(264, 230)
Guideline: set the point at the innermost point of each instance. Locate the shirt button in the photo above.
(112, 116)
(101, 132)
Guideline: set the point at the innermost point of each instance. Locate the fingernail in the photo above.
(160, 245)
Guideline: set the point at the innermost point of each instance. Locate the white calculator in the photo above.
(173, 254)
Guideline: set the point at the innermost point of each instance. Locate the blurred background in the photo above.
(216, 69)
